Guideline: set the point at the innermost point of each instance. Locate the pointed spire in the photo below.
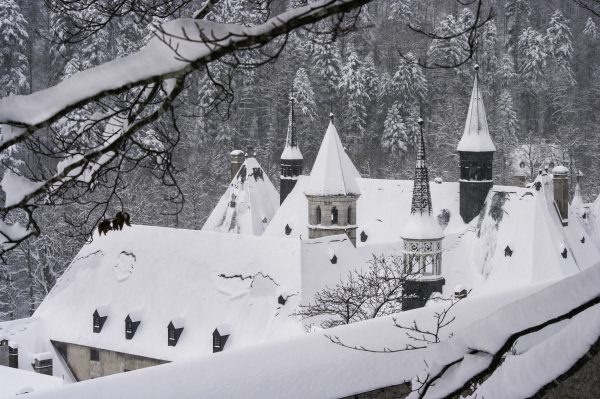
(421, 224)
(333, 172)
(476, 136)
(421, 198)
(291, 150)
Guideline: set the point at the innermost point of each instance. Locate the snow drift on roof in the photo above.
(476, 137)
(333, 172)
(422, 227)
(248, 204)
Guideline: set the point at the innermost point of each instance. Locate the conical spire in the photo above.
(291, 150)
(333, 172)
(421, 199)
(476, 136)
(421, 224)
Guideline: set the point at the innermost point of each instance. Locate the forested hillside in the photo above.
(539, 67)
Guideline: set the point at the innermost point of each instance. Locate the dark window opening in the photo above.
(363, 236)
(288, 230)
(350, 215)
(583, 240)
(564, 253)
(94, 355)
(334, 215)
(508, 251)
(318, 221)
(333, 259)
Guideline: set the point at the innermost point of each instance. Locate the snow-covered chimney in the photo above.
(42, 363)
(237, 158)
(560, 179)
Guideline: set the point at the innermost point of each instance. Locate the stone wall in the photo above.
(78, 358)
(392, 392)
(346, 223)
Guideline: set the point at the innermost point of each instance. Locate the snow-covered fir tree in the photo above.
(303, 94)
(13, 61)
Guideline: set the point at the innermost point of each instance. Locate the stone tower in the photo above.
(332, 190)
(422, 236)
(291, 158)
(476, 153)
(560, 181)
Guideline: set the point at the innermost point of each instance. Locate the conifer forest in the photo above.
(538, 65)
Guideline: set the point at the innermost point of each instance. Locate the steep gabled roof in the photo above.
(333, 172)
(248, 204)
(476, 136)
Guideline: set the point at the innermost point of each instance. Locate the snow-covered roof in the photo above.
(476, 136)
(248, 204)
(333, 172)
(307, 366)
(291, 150)
(473, 254)
(422, 227)
(158, 275)
(536, 359)
(17, 381)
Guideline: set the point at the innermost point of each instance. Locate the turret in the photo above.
(422, 236)
(476, 154)
(332, 190)
(291, 158)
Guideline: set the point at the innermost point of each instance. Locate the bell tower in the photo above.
(291, 158)
(476, 154)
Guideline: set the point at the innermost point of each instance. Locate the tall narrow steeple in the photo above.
(291, 158)
(476, 153)
(422, 236)
(421, 199)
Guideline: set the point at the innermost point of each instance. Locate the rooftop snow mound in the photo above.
(476, 136)
(333, 172)
(248, 204)
(422, 227)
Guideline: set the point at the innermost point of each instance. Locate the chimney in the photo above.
(560, 180)
(237, 158)
(13, 354)
(42, 363)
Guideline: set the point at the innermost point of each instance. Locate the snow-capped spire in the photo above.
(421, 224)
(333, 172)
(476, 136)
(291, 150)
(577, 201)
(421, 198)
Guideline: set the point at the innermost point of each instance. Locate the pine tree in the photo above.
(559, 47)
(506, 70)
(488, 59)
(354, 85)
(304, 95)
(517, 19)
(533, 56)
(326, 64)
(395, 137)
(590, 30)
(13, 61)
(409, 84)
(447, 52)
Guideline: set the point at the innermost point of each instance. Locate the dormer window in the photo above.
(363, 236)
(288, 230)
(508, 251)
(583, 240)
(132, 322)
(220, 337)
(281, 300)
(334, 215)
(564, 253)
(174, 330)
(99, 318)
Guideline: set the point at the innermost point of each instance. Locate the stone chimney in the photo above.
(560, 180)
(42, 363)
(237, 158)
(13, 355)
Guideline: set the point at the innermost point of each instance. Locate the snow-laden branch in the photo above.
(197, 42)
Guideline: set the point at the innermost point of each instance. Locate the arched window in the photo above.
(428, 265)
(350, 215)
(334, 215)
(318, 215)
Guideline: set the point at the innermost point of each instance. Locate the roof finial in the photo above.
(476, 67)
(331, 117)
